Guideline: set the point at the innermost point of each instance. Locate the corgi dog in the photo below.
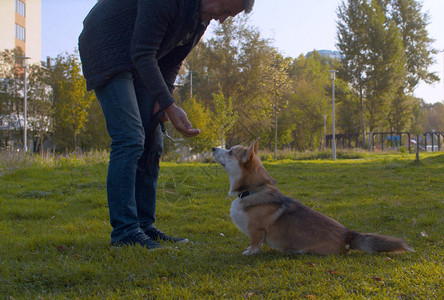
(266, 215)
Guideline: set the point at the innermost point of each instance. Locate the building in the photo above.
(21, 26)
(327, 53)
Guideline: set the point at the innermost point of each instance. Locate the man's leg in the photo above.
(148, 167)
(124, 124)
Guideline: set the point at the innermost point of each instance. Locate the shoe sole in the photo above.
(184, 241)
(118, 246)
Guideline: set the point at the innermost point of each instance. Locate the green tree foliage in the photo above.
(387, 52)
(276, 82)
(248, 70)
(386, 66)
(412, 22)
(224, 117)
(230, 62)
(427, 117)
(351, 38)
(418, 55)
(94, 134)
(416, 117)
(71, 100)
(11, 96)
(40, 104)
(59, 108)
(310, 100)
(214, 125)
(434, 117)
(201, 118)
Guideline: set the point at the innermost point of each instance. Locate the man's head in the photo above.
(222, 9)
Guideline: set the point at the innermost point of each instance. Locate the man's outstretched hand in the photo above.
(180, 121)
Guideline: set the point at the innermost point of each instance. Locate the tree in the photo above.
(412, 24)
(387, 52)
(11, 96)
(401, 109)
(94, 134)
(351, 42)
(230, 63)
(418, 45)
(224, 117)
(40, 105)
(276, 80)
(201, 118)
(416, 117)
(385, 68)
(434, 117)
(310, 99)
(71, 100)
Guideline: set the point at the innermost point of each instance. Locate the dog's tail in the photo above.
(375, 243)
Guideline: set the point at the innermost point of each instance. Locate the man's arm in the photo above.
(152, 21)
(169, 74)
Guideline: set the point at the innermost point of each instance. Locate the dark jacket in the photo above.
(150, 38)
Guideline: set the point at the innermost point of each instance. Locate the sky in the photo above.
(294, 26)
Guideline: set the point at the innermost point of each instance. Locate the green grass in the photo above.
(54, 232)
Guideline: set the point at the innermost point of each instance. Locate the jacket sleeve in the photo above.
(152, 22)
(170, 66)
(169, 74)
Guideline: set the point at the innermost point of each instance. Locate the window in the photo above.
(19, 32)
(20, 7)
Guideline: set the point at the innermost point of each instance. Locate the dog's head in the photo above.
(244, 167)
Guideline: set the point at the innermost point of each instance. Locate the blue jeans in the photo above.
(131, 182)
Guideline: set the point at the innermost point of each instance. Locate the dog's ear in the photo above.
(251, 150)
(256, 145)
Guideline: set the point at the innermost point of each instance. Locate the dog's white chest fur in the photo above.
(239, 216)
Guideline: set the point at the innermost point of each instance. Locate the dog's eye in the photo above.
(230, 152)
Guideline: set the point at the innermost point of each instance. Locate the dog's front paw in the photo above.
(251, 251)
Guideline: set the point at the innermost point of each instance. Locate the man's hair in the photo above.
(248, 5)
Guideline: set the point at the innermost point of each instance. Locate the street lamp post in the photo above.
(325, 131)
(442, 51)
(333, 144)
(25, 113)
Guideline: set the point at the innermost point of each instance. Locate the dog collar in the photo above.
(244, 194)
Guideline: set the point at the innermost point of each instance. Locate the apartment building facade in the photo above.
(21, 24)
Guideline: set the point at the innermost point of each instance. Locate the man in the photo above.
(131, 52)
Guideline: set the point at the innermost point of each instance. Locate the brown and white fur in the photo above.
(266, 215)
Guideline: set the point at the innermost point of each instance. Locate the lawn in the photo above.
(54, 233)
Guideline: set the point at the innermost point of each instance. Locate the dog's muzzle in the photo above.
(217, 156)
